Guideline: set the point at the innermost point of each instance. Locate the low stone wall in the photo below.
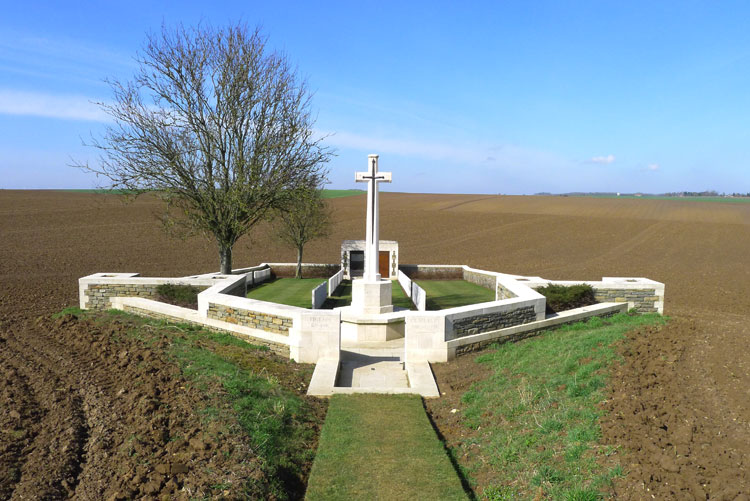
(503, 292)
(432, 272)
(642, 294)
(249, 318)
(238, 289)
(518, 336)
(287, 270)
(279, 349)
(644, 300)
(493, 321)
(95, 293)
(98, 294)
(486, 280)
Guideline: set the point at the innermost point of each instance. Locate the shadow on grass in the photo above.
(457, 467)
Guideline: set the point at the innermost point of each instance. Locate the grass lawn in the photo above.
(342, 296)
(532, 426)
(291, 291)
(443, 294)
(381, 447)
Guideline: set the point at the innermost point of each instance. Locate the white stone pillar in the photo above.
(373, 224)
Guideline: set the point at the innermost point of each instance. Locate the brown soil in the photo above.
(63, 389)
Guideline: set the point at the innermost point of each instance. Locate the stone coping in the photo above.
(195, 317)
(323, 381)
(619, 282)
(393, 317)
(561, 318)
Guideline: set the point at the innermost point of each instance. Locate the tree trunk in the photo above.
(225, 253)
(298, 274)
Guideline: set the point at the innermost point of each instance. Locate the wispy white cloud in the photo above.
(653, 167)
(67, 107)
(405, 147)
(608, 159)
(61, 59)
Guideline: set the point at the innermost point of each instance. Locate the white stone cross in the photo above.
(372, 178)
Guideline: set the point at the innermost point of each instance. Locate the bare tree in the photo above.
(307, 219)
(217, 126)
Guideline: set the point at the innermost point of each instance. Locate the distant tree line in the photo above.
(707, 193)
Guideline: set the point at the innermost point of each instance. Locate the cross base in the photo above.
(371, 297)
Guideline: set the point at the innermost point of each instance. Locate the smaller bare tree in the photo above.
(308, 218)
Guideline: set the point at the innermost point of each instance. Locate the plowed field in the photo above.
(680, 402)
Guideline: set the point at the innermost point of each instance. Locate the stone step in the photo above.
(372, 373)
(356, 372)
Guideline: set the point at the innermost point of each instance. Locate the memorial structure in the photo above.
(371, 316)
(371, 294)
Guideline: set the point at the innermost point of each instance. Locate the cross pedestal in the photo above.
(371, 294)
(371, 297)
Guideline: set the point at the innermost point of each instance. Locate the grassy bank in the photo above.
(380, 447)
(247, 391)
(530, 429)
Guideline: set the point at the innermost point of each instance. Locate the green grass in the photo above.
(443, 294)
(342, 193)
(291, 291)
(380, 447)
(179, 294)
(567, 297)
(535, 419)
(252, 399)
(342, 296)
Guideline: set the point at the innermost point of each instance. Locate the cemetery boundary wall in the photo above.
(302, 334)
(309, 335)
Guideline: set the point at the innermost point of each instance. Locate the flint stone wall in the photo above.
(493, 321)
(503, 292)
(482, 279)
(97, 295)
(249, 318)
(644, 300)
(427, 272)
(279, 349)
(287, 270)
(512, 338)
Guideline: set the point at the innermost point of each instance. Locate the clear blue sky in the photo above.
(462, 97)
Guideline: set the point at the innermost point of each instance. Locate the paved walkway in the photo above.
(374, 367)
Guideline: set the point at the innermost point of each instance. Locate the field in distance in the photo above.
(699, 250)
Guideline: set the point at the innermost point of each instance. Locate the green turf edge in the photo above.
(289, 291)
(545, 392)
(342, 193)
(381, 447)
(444, 294)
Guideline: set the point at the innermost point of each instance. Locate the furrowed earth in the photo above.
(78, 417)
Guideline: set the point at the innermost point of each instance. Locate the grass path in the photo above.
(291, 291)
(381, 447)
